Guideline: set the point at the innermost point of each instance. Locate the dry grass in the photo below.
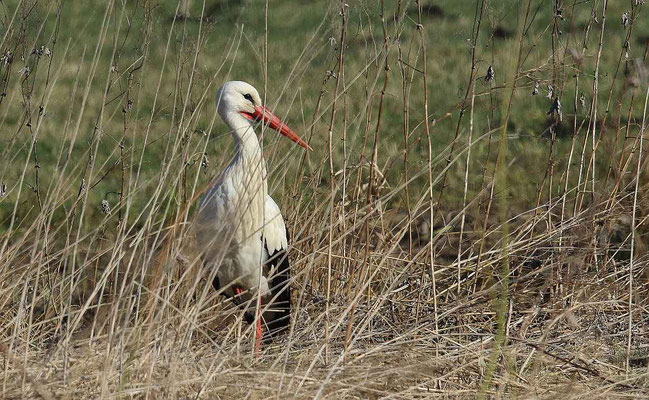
(419, 266)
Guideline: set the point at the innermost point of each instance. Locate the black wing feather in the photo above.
(280, 283)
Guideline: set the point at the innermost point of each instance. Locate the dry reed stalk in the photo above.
(332, 185)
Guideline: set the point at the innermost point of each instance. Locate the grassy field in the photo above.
(471, 222)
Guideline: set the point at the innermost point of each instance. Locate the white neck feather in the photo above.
(248, 169)
(246, 145)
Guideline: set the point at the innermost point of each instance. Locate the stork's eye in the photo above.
(248, 97)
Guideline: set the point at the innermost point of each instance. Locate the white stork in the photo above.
(240, 228)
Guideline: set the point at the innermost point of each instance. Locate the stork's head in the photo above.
(243, 99)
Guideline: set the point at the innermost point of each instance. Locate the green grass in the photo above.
(293, 27)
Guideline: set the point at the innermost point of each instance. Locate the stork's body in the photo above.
(240, 228)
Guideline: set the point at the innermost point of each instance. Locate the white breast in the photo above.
(232, 228)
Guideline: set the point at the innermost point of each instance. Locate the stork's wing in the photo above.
(275, 241)
(274, 232)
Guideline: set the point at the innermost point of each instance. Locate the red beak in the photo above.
(262, 113)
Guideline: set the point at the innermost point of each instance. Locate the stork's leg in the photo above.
(238, 291)
(258, 328)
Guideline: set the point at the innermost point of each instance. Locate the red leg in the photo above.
(258, 328)
(237, 292)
